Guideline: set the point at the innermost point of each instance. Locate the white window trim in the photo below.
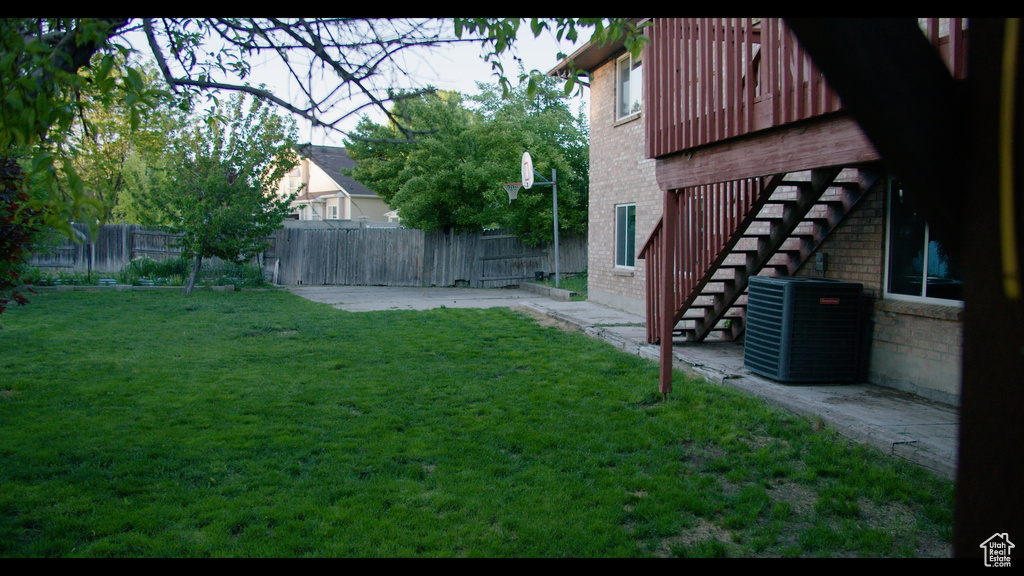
(886, 271)
(618, 88)
(617, 239)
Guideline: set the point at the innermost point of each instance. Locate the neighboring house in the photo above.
(718, 147)
(327, 193)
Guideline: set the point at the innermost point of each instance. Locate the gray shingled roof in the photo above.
(332, 159)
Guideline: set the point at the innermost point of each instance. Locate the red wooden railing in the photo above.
(705, 224)
(711, 79)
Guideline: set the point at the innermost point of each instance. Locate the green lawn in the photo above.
(261, 424)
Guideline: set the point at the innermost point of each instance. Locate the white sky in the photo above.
(456, 68)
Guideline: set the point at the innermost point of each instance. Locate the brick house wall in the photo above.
(619, 174)
(912, 346)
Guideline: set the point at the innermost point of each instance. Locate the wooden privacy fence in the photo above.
(403, 257)
(114, 246)
(346, 256)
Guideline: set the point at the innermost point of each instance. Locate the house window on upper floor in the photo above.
(625, 235)
(334, 212)
(292, 181)
(628, 87)
(918, 266)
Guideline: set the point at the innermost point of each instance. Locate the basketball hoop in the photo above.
(512, 189)
(527, 170)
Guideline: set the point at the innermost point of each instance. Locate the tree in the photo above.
(220, 188)
(53, 69)
(451, 177)
(536, 117)
(48, 64)
(118, 154)
(434, 181)
(19, 224)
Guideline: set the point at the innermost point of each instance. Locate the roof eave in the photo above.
(591, 56)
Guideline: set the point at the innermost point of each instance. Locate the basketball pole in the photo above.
(528, 174)
(554, 212)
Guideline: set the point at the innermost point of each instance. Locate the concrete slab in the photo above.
(370, 298)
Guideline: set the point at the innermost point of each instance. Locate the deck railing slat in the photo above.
(703, 84)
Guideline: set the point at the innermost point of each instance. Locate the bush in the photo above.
(148, 268)
(175, 272)
(36, 277)
(224, 273)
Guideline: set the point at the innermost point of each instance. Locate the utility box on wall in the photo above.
(803, 329)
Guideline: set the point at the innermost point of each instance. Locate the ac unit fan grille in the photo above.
(803, 330)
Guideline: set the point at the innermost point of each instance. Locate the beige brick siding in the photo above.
(856, 248)
(619, 174)
(914, 347)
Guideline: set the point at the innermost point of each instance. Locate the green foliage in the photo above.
(499, 36)
(574, 283)
(219, 190)
(43, 95)
(20, 225)
(450, 176)
(537, 118)
(148, 268)
(119, 153)
(76, 107)
(175, 272)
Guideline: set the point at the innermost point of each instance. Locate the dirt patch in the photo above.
(755, 441)
(701, 531)
(800, 498)
(897, 518)
(7, 394)
(699, 455)
(545, 320)
(892, 518)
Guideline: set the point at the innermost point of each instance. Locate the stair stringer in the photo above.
(809, 194)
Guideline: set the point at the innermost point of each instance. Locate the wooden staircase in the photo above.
(787, 218)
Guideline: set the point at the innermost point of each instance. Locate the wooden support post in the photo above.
(670, 218)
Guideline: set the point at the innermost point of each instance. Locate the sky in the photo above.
(456, 68)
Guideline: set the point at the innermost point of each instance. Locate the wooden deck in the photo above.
(733, 106)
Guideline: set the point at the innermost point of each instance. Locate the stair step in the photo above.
(797, 205)
(766, 233)
(754, 250)
(779, 220)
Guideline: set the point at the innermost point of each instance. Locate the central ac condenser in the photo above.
(803, 329)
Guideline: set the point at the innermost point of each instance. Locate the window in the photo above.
(334, 212)
(625, 235)
(293, 180)
(628, 85)
(917, 265)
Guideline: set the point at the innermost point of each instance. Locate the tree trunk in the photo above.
(196, 264)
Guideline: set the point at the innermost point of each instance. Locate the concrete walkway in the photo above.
(899, 424)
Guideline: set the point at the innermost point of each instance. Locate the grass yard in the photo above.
(260, 424)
